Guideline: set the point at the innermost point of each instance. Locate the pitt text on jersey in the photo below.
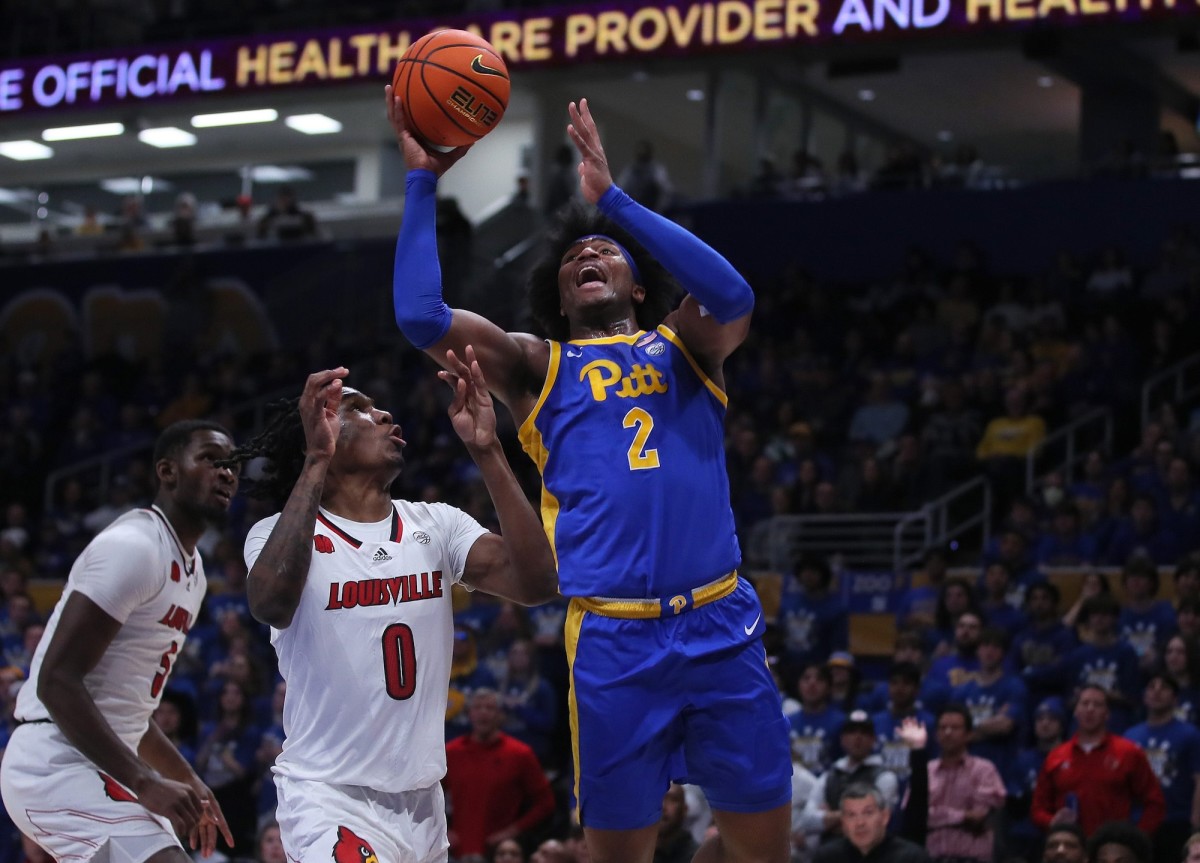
(385, 591)
(602, 375)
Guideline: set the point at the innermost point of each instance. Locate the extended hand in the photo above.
(912, 732)
(594, 176)
(319, 405)
(471, 410)
(175, 801)
(416, 155)
(212, 820)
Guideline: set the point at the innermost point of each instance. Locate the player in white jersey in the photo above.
(356, 587)
(86, 773)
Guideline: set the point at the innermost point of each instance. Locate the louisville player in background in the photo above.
(86, 772)
(356, 588)
(623, 412)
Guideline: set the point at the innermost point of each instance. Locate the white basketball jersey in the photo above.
(137, 572)
(367, 655)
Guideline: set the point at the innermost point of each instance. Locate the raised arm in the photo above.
(276, 578)
(711, 333)
(519, 563)
(515, 363)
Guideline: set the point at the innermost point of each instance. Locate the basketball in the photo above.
(453, 86)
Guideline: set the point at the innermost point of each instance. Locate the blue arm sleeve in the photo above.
(702, 271)
(421, 313)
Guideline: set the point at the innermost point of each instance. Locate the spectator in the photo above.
(812, 616)
(957, 597)
(674, 843)
(845, 680)
(269, 848)
(1040, 648)
(1049, 726)
(1007, 440)
(1105, 661)
(998, 585)
(509, 851)
(964, 792)
(1140, 534)
(1096, 776)
(815, 725)
(857, 766)
(1187, 580)
(225, 760)
(903, 684)
(880, 417)
(865, 817)
(1191, 851)
(1181, 660)
(949, 437)
(954, 669)
(495, 785)
(1094, 584)
(1065, 544)
(646, 179)
(1173, 750)
(183, 220)
(285, 219)
(1065, 843)
(996, 700)
(1119, 843)
(1179, 506)
(1146, 622)
(918, 604)
(530, 705)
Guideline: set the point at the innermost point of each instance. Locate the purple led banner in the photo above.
(530, 39)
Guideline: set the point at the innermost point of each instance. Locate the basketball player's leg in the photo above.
(736, 749)
(621, 846)
(749, 837)
(625, 734)
(61, 801)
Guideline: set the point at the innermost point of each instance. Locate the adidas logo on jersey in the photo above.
(380, 556)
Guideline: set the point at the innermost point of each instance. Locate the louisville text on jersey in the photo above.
(178, 619)
(385, 591)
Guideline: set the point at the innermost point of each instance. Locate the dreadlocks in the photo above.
(577, 221)
(281, 443)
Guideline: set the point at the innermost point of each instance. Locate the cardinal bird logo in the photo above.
(351, 848)
(115, 790)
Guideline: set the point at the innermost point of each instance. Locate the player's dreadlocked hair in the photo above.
(281, 443)
(580, 220)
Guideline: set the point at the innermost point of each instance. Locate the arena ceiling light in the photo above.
(278, 174)
(313, 124)
(76, 133)
(135, 185)
(235, 118)
(167, 136)
(24, 151)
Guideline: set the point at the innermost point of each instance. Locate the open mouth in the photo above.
(588, 275)
(223, 495)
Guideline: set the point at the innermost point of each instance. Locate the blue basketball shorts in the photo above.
(683, 696)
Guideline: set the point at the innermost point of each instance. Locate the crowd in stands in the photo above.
(875, 398)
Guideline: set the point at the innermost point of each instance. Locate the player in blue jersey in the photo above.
(622, 409)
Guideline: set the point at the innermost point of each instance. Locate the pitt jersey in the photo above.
(628, 435)
(369, 647)
(137, 572)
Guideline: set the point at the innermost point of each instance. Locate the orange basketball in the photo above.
(454, 87)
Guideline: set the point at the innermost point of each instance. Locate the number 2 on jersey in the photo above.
(640, 458)
(399, 662)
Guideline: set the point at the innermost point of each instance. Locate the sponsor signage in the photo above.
(529, 39)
